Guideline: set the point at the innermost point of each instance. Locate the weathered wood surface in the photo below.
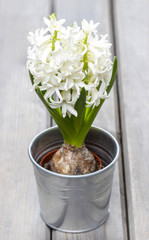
(21, 117)
(132, 37)
(125, 114)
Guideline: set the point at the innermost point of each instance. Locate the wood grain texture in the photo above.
(22, 117)
(99, 12)
(132, 34)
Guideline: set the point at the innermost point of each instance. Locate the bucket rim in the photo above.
(73, 176)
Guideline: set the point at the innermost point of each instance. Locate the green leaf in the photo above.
(95, 110)
(31, 78)
(92, 114)
(64, 124)
(114, 70)
(75, 129)
(88, 110)
(80, 108)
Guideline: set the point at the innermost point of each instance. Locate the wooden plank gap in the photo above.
(50, 233)
(51, 10)
(120, 127)
(52, 7)
(132, 35)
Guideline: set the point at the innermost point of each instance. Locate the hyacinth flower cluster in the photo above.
(72, 73)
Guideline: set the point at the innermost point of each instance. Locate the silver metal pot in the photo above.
(74, 203)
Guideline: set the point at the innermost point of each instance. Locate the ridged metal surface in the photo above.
(74, 203)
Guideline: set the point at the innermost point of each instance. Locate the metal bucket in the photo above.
(74, 203)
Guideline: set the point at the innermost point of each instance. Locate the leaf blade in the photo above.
(80, 108)
(91, 116)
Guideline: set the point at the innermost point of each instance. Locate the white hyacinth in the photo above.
(63, 60)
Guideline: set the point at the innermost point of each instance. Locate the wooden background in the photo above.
(125, 114)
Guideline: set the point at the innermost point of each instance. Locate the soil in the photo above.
(70, 160)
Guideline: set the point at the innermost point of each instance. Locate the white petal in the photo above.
(46, 21)
(49, 93)
(64, 109)
(72, 110)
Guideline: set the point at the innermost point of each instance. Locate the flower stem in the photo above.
(54, 40)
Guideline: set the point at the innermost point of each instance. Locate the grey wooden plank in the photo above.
(98, 11)
(132, 34)
(22, 117)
